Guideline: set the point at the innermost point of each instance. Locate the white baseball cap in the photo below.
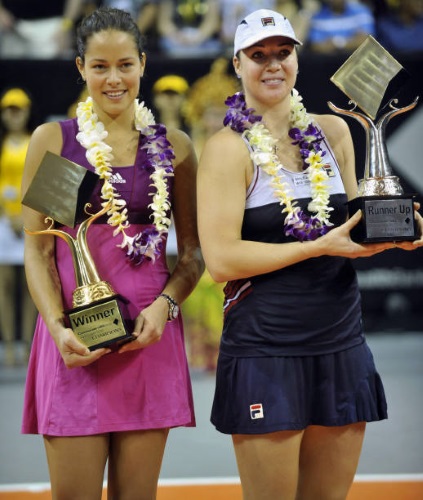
(261, 24)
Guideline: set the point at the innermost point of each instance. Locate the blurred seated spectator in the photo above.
(143, 11)
(401, 28)
(38, 29)
(340, 26)
(169, 95)
(299, 13)
(189, 28)
(232, 12)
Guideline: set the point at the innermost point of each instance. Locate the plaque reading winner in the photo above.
(368, 76)
(98, 316)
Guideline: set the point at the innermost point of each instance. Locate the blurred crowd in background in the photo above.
(173, 29)
(199, 28)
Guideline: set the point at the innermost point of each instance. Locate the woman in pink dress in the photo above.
(111, 403)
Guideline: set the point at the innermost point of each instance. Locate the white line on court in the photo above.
(359, 478)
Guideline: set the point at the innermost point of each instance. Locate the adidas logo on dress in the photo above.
(117, 179)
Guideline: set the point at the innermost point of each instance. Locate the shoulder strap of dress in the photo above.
(256, 170)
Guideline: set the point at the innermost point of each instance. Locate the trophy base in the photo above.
(102, 323)
(385, 218)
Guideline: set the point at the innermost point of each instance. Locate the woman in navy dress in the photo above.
(296, 382)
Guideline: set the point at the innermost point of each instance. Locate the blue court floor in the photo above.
(394, 446)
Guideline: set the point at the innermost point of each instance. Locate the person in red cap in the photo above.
(295, 381)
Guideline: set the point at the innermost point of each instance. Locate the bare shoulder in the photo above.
(181, 144)
(334, 127)
(226, 137)
(49, 133)
(225, 146)
(46, 137)
(178, 137)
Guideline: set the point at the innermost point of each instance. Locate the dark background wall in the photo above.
(392, 283)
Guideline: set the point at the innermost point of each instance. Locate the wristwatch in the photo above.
(173, 306)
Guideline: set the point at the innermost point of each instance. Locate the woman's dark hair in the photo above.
(105, 19)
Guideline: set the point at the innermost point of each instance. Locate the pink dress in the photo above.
(143, 389)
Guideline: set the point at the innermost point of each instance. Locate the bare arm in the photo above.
(72, 9)
(147, 17)
(165, 24)
(7, 20)
(40, 265)
(63, 37)
(211, 22)
(222, 188)
(189, 265)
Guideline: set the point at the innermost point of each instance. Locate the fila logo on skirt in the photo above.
(256, 411)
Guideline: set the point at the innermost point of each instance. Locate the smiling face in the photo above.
(268, 70)
(112, 69)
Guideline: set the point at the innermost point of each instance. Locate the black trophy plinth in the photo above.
(103, 323)
(385, 218)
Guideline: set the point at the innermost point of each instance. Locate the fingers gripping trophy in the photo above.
(98, 316)
(367, 76)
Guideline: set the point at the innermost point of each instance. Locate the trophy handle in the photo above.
(381, 128)
(372, 156)
(85, 271)
(78, 263)
(377, 159)
(397, 111)
(92, 275)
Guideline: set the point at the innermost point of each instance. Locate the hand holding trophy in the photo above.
(388, 213)
(98, 316)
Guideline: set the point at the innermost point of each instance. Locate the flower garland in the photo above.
(159, 154)
(308, 137)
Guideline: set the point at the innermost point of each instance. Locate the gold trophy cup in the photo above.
(99, 315)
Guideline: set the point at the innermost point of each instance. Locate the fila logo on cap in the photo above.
(268, 21)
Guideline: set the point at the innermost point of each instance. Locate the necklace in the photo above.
(148, 243)
(308, 138)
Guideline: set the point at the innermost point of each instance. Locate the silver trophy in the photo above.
(388, 213)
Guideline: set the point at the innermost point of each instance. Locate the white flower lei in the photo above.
(92, 133)
(297, 223)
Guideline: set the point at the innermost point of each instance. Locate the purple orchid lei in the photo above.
(148, 244)
(308, 137)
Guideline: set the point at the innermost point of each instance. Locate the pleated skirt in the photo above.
(256, 395)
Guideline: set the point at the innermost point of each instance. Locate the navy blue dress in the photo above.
(293, 352)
